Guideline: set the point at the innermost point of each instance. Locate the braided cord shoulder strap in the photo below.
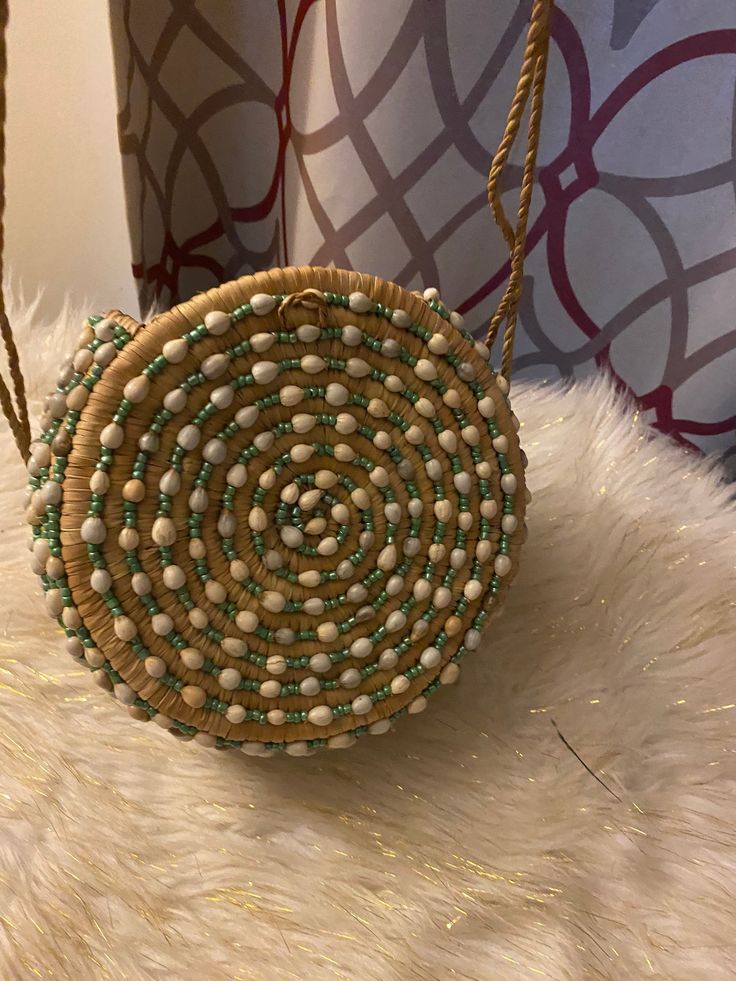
(530, 84)
(17, 415)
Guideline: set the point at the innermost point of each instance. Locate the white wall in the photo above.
(65, 219)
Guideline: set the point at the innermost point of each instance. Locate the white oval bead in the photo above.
(462, 482)
(502, 565)
(276, 717)
(443, 510)
(387, 558)
(237, 475)
(450, 673)
(215, 365)
(198, 500)
(226, 524)
(291, 537)
(447, 440)
(100, 580)
(175, 400)
(291, 395)
(276, 664)
(217, 322)
(264, 372)
(155, 667)
(502, 384)
(320, 663)
(471, 640)
(112, 436)
(141, 583)
(308, 333)
(194, 696)
(470, 435)
(104, 354)
(246, 620)
(214, 450)
(136, 389)
(93, 531)
(361, 705)
(124, 628)
(414, 435)
(359, 302)
(357, 368)
(163, 531)
(487, 407)
(170, 483)
(149, 442)
(430, 658)
(340, 513)
(176, 350)
(124, 693)
(509, 524)
(310, 687)
(361, 648)
(270, 689)
(309, 578)
(229, 679)
(128, 539)
(401, 319)
(235, 714)
(350, 678)
(441, 597)
(501, 444)
(188, 437)
(301, 452)
(192, 658)
(345, 425)
(257, 519)
(312, 364)
(488, 509)
(262, 304)
(418, 705)
(215, 591)
(394, 585)
(328, 546)
(272, 600)
(399, 684)
(472, 590)
(351, 335)
(336, 394)
(320, 715)
(425, 408)
(299, 748)
(246, 417)
(174, 577)
(327, 631)
(161, 624)
(388, 659)
(261, 342)
(438, 344)
(396, 620)
(425, 369)
(360, 498)
(302, 422)
(433, 469)
(509, 483)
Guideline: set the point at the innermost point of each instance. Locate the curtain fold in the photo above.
(336, 132)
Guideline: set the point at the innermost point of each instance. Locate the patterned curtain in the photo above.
(358, 134)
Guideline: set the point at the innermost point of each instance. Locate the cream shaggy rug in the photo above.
(471, 842)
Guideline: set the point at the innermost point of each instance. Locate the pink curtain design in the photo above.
(316, 131)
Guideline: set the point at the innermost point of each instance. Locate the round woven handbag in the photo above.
(278, 516)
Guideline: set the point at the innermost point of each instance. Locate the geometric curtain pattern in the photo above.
(359, 134)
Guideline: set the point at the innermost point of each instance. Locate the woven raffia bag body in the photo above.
(278, 516)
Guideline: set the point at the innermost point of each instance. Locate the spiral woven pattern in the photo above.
(278, 516)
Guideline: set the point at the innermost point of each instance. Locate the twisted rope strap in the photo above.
(531, 82)
(18, 419)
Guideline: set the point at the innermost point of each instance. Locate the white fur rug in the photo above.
(470, 843)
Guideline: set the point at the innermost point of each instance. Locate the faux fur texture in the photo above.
(469, 843)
